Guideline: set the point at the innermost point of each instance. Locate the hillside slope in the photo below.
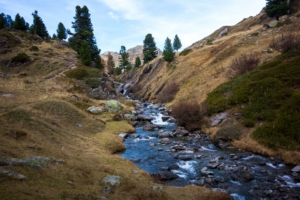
(51, 147)
(206, 64)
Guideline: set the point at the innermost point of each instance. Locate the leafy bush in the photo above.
(244, 63)
(77, 73)
(286, 42)
(190, 114)
(34, 48)
(20, 58)
(168, 93)
(185, 52)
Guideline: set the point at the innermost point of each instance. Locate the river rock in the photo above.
(134, 135)
(165, 118)
(150, 127)
(179, 147)
(112, 180)
(113, 106)
(181, 131)
(165, 141)
(173, 167)
(123, 135)
(246, 175)
(296, 169)
(213, 165)
(164, 134)
(144, 117)
(185, 157)
(166, 176)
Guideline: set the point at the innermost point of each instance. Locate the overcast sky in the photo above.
(127, 22)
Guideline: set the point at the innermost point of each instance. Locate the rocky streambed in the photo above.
(174, 156)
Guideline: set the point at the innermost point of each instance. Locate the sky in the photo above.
(119, 23)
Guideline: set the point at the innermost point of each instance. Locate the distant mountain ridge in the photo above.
(133, 52)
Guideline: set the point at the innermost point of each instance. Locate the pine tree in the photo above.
(118, 70)
(54, 36)
(110, 64)
(168, 53)
(38, 26)
(84, 32)
(85, 53)
(9, 22)
(128, 67)
(20, 23)
(137, 62)
(149, 51)
(61, 31)
(2, 21)
(177, 43)
(123, 57)
(277, 8)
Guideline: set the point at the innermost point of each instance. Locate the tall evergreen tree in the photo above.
(61, 31)
(168, 53)
(137, 62)
(149, 51)
(38, 27)
(20, 23)
(2, 21)
(110, 64)
(277, 8)
(118, 70)
(54, 36)
(123, 57)
(9, 22)
(84, 32)
(177, 43)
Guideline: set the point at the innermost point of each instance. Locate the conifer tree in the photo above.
(38, 27)
(118, 70)
(123, 57)
(84, 32)
(61, 31)
(9, 22)
(110, 64)
(177, 43)
(54, 36)
(20, 23)
(2, 21)
(277, 8)
(137, 62)
(149, 51)
(168, 53)
(85, 53)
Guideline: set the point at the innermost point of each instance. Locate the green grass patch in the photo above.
(81, 73)
(20, 58)
(185, 52)
(268, 94)
(12, 40)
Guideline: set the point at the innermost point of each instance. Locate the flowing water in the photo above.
(199, 162)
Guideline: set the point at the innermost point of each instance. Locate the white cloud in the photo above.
(113, 16)
(130, 9)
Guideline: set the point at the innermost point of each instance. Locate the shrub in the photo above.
(286, 42)
(244, 63)
(93, 82)
(34, 48)
(185, 52)
(229, 132)
(168, 93)
(77, 73)
(191, 114)
(20, 58)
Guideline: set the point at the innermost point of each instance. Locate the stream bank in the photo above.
(174, 156)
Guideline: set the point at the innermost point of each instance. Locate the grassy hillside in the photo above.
(63, 151)
(267, 97)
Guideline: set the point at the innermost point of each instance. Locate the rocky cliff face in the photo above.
(134, 52)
